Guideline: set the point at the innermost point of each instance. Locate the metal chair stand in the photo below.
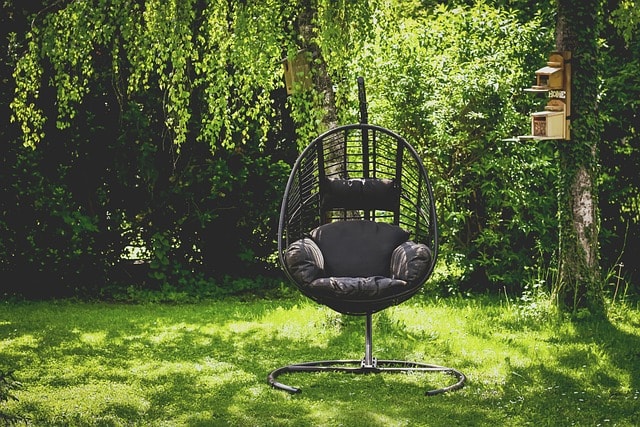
(367, 365)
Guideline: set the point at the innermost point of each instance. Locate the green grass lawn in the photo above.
(205, 364)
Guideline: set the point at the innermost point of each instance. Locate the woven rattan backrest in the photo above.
(378, 159)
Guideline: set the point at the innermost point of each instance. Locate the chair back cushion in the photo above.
(358, 248)
(361, 193)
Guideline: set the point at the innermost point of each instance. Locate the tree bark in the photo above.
(578, 285)
(306, 28)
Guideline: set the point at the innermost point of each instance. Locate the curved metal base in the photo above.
(362, 367)
(368, 365)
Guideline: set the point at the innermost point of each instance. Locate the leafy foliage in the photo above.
(121, 189)
(227, 52)
(162, 130)
(620, 149)
(457, 96)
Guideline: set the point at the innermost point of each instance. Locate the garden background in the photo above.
(146, 143)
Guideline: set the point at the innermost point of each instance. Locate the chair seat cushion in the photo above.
(305, 263)
(356, 287)
(358, 248)
(357, 260)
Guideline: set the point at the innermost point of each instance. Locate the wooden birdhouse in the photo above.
(551, 76)
(297, 71)
(554, 80)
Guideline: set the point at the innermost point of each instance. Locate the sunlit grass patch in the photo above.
(207, 363)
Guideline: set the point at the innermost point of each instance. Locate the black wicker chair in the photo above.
(358, 233)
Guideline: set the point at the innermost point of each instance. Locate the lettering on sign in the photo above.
(561, 94)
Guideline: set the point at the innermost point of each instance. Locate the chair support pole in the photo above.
(368, 361)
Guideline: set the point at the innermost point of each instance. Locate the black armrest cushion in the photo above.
(411, 262)
(304, 261)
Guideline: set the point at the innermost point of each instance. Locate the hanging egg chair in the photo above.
(358, 233)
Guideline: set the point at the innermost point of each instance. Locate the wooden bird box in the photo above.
(297, 70)
(554, 80)
(550, 123)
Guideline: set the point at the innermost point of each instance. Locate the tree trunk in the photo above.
(578, 285)
(306, 28)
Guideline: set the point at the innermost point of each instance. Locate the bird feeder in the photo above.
(554, 80)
